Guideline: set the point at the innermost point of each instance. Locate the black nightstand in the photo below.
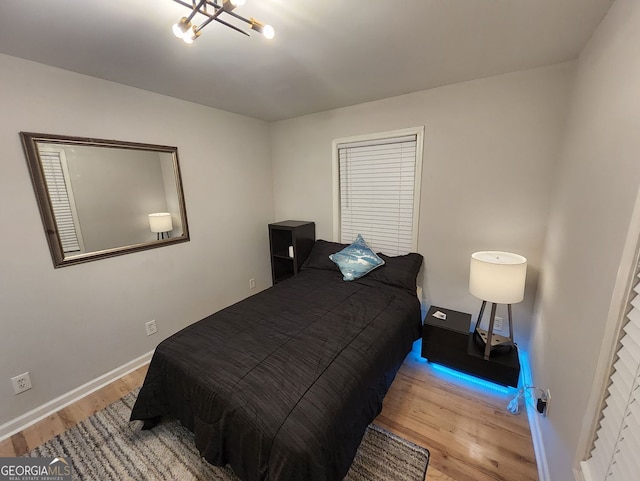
(290, 243)
(449, 342)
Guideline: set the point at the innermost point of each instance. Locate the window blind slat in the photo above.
(60, 202)
(377, 190)
(635, 302)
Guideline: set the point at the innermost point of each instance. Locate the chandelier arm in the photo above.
(240, 17)
(213, 16)
(185, 4)
(196, 9)
(232, 26)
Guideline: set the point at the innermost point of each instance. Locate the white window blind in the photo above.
(61, 200)
(377, 193)
(614, 456)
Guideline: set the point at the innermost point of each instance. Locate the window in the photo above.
(377, 190)
(612, 440)
(56, 174)
(615, 450)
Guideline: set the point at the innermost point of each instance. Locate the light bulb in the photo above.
(268, 31)
(238, 3)
(177, 31)
(182, 28)
(189, 36)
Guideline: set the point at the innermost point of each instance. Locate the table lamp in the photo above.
(499, 278)
(160, 223)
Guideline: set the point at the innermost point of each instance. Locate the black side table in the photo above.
(290, 242)
(449, 342)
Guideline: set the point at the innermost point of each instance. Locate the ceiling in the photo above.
(326, 53)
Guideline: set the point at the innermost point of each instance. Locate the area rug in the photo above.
(106, 446)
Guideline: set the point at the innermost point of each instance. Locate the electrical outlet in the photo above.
(151, 327)
(21, 383)
(542, 405)
(546, 408)
(497, 324)
(252, 283)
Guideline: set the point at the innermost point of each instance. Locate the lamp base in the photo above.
(496, 339)
(488, 338)
(499, 344)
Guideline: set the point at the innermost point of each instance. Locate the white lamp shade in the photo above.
(497, 276)
(160, 222)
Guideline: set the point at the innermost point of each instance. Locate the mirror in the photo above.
(102, 198)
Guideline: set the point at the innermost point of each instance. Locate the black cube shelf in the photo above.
(290, 243)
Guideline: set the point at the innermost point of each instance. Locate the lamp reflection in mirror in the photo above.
(496, 277)
(161, 224)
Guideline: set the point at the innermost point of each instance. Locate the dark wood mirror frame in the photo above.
(31, 141)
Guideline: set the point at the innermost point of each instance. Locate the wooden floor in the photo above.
(468, 431)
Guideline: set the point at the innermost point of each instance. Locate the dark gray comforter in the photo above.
(282, 385)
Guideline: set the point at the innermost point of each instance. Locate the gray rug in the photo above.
(107, 447)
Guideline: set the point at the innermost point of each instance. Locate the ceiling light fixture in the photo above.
(212, 10)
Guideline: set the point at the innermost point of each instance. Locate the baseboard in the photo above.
(47, 409)
(534, 423)
(582, 472)
(538, 444)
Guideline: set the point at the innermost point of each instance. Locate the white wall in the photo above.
(490, 152)
(68, 326)
(598, 180)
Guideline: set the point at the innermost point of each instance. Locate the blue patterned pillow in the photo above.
(356, 260)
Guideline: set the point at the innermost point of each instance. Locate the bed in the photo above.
(282, 385)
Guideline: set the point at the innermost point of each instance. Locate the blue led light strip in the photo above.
(468, 378)
(525, 373)
(525, 368)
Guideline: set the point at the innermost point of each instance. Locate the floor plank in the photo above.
(468, 431)
(42, 431)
